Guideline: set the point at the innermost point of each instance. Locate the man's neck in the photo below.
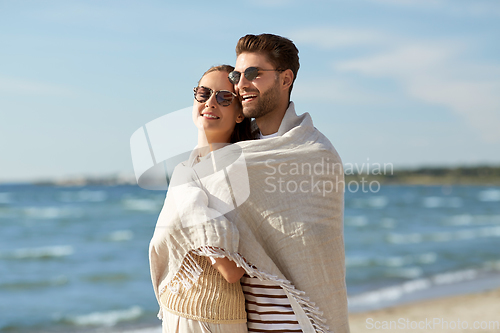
(270, 123)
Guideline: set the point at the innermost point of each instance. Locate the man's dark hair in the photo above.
(280, 51)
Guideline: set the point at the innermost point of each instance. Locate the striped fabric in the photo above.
(268, 308)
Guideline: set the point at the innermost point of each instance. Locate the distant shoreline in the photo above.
(479, 175)
(476, 175)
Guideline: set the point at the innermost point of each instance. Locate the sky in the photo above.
(409, 82)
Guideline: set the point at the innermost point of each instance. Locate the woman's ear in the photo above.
(240, 118)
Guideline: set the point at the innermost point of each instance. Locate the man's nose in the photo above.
(243, 83)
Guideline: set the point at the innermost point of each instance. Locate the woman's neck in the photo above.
(208, 144)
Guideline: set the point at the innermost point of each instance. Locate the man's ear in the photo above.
(287, 79)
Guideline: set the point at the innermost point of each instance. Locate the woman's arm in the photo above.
(228, 269)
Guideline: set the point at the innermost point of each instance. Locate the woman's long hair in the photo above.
(242, 131)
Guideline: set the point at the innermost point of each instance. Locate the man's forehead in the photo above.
(251, 59)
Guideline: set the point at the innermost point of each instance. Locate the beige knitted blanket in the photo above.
(275, 207)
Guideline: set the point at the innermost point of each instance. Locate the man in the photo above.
(265, 70)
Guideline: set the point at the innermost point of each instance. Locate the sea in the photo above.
(75, 259)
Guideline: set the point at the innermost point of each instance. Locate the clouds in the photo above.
(435, 73)
(432, 71)
(336, 37)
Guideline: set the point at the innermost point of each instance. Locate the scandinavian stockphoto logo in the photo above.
(219, 179)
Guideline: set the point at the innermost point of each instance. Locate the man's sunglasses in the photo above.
(250, 73)
(223, 97)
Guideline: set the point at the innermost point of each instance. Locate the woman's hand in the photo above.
(228, 269)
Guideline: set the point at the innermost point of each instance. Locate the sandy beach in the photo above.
(448, 314)
(465, 313)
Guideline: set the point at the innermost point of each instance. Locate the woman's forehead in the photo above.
(216, 80)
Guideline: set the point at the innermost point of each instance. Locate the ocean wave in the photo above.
(435, 202)
(394, 293)
(35, 284)
(490, 195)
(45, 252)
(145, 205)
(370, 202)
(356, 221)
(444, 236)
(48, 213)
(83, 196)
(455, 277)
(121, 235)
(467, 219)
(392, 261)
(389, 293)
(406, 272)
(106, 319)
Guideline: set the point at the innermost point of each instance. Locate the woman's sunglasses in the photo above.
(250, 73)
(223, 97)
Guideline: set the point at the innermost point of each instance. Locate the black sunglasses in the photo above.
(223, 97)
(250, 74)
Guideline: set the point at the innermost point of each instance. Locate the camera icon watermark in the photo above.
(165, 156)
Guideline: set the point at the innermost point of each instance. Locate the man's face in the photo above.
(261, 95)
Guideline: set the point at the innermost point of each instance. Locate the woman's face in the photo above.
(215, 120)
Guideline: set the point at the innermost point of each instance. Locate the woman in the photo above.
(200, 294)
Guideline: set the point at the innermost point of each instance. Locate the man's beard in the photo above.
(268, 102)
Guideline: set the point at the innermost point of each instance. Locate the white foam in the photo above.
(455, 277)
(146, 205)
(83, 196)
(371, 202)
(356, 221)
(393, 261)
(444, 236)
(404, 238)
(121, 235)
(490, 195)
(467, 219)
(426, 258)
(47, 213)
(435, 202)
(378, 201)
(389, 294)
(462, 219)
(107, 319)
(39, 252)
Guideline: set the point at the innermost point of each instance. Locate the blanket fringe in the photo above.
(311, 311)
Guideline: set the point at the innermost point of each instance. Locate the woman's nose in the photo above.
(211, 102)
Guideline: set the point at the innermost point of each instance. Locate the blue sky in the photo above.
(409, 82)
